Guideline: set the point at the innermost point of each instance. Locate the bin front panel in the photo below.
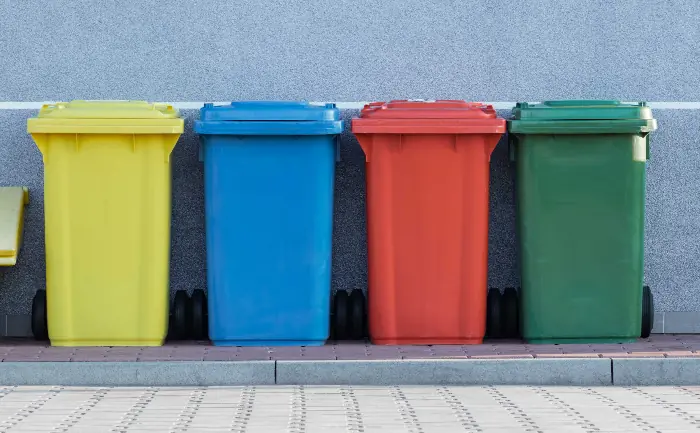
(427, 220)
(269, 223)
(107, 210)
(581, 229)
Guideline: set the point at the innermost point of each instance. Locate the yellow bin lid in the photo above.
(107, 117)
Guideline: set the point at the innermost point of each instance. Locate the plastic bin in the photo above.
(427, 218)
(13, 200)
(107, 210)
(269, 172)
(581, 186)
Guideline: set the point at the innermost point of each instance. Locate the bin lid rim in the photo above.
(268, 128)
(301, 111)
(427, 109)
(105, 109)
(583, 109)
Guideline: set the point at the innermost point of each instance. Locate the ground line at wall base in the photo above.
(352, 105)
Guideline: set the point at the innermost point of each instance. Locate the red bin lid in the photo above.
(428, 117)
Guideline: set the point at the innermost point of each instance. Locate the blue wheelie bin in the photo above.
(269, 170)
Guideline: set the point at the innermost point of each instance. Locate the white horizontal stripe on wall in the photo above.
(35, 105)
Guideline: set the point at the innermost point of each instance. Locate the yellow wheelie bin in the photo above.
(107, 209)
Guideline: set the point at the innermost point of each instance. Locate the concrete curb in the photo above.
(169, 373)
(570, 371)
(579, 371)
(656, 371)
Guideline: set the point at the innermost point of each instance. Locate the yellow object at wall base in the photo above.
(107, 209)
(13, 199)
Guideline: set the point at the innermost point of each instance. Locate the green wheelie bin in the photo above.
(581, 181)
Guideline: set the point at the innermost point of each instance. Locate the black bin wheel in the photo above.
(493, 314)
(40, 328)
(198, 315)
(341, 302)
(509, 318)
(647, 312)
(357, 315)
(178, 316)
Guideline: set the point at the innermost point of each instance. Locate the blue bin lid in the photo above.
(269, 118)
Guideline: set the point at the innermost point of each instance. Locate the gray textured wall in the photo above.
(360, 50)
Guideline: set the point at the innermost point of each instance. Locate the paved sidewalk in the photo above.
(299, 409)
(659, 360)
(658, 346)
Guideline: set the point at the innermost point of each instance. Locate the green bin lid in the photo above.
(582, 110)
(581, 117)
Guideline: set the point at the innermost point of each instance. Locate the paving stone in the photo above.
(658, 346)
(567, 355)
(329, 409)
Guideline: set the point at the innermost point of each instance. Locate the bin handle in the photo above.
(648, 147)
(161, 106)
